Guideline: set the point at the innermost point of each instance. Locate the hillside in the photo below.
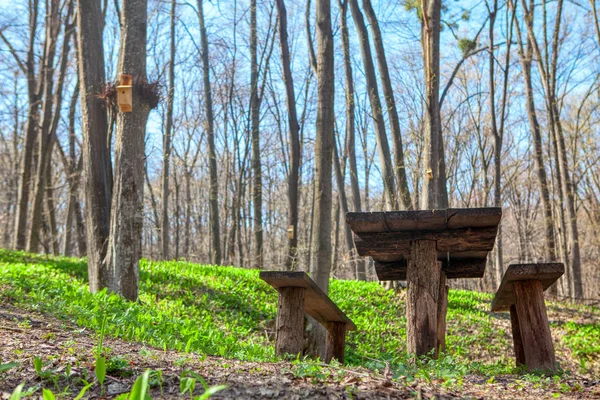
(212, 319)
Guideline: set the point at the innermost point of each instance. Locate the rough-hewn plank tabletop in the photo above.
(316, 303)
(463, 237)
(547, 273)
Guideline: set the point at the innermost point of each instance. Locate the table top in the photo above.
(463, 236)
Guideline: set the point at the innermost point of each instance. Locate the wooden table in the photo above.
(425, 248)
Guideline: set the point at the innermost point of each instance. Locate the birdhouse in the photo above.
(291, 233)
(125, 93)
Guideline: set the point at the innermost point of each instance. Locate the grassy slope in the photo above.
(227, 311)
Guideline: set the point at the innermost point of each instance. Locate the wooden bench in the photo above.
(299, 294)
(522, 293)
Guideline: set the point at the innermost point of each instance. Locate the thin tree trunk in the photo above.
(215, 235)
(164, 221)
(434, 191)
(125, 240)
(49, 124)
(350, 128)
(51, 212)
(294, 141)
(94, 127)
(387, 169)
(526, 57)
(322, 200)
(256, 162)
(20, 237)
(388, 93)
(497, 143)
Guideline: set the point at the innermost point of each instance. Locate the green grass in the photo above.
(223, 311)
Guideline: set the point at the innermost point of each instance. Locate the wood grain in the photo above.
(390, 221)
(516, 333)
(457, 268)
(441, 313)
(336, 341)
(546, 273)
(316, 303)
(421, 303)
(534, 327)
(289, 336)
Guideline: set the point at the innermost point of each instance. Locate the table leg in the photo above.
(442, 310)
(423, 278)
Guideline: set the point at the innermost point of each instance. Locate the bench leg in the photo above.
(336, 341)
(423, 278)
(289, 337)
(441, 313)
(516, 333)
(534, 326)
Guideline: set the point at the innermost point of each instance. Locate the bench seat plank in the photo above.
(547, 273)
(316, 303)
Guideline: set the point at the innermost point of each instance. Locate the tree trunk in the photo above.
(388, 92)
(94, 128)
(526, 59)
(164, 221)
(434, 193)
(294, 143)
(125, 240)
(256, 162)
(49, 124)
(387, 169)
(215, 236)
(20, 237)
(322, 200)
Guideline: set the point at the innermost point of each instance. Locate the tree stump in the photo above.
(289, 337)
(423, 276)
(533, 324)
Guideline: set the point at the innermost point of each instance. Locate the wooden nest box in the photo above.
(125, 93)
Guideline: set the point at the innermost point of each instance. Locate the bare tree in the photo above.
(33, 95)
(434, 191)
(94, 128)
(388, 92)
(294, 139)
(164, 221)
(387, 169)
(212, 152)
(126, 220)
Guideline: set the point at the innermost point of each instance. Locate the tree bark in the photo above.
(51, 102)
(20, 237)
(215, 236)
(403, 195)
(434, 192)
(322, 200)
(164, 221)
(387, 169)
(256, 162)
(526, 59)
(125, 240)
(294, 140)
(94, 127)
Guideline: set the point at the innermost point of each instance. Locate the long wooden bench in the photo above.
(522, 293)
(299, 294)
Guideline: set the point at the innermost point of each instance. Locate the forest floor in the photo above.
(220, 335)
(25, 335)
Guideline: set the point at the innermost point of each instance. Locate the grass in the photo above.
(223, 311)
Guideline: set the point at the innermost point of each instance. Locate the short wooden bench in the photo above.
(299, 294)
(522, 293)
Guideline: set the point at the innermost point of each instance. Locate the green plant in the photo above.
(7, 366)
(100, 365)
